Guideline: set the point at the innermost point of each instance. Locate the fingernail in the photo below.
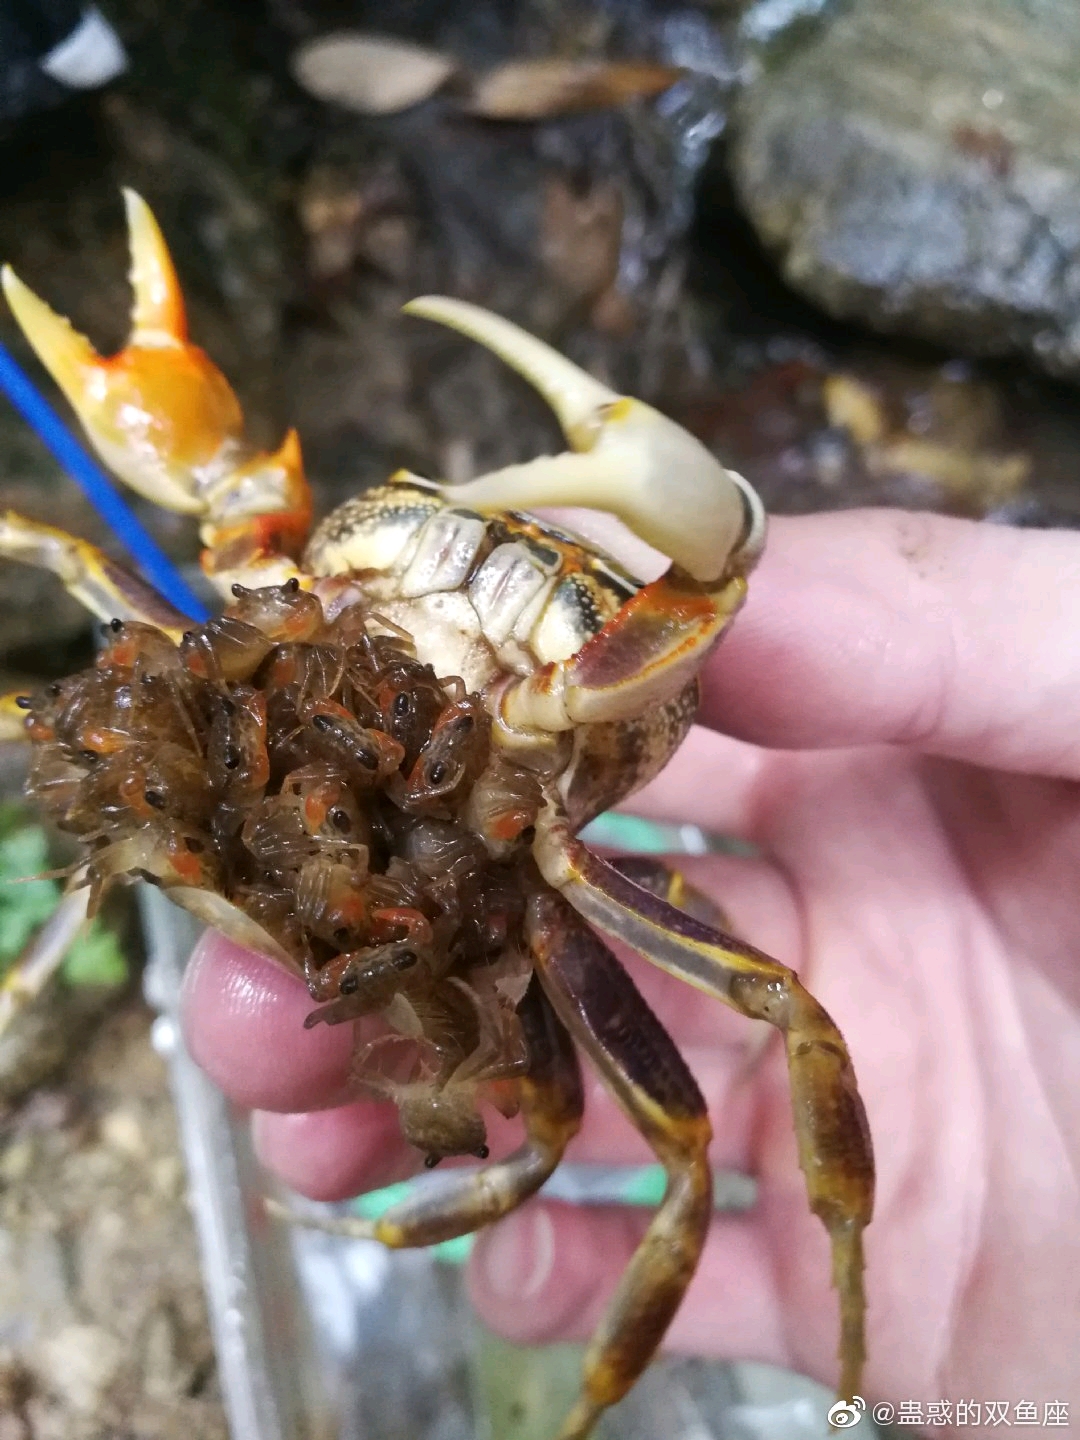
(517, 1256)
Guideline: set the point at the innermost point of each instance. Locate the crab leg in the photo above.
(42, 958)
(598, 1002)
(552, 1101)
(671, 886)
(165, 419)
(834, 1139)
(104, 587)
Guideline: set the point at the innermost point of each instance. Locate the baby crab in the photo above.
(400, 728)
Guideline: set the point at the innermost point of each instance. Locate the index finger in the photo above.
(953, 637)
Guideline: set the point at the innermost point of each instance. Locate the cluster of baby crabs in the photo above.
(318, 778)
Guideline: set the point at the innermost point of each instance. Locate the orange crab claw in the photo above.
(159, 413)
(164, 418)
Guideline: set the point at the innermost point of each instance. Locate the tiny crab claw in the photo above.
(625, 458)
(163, 416)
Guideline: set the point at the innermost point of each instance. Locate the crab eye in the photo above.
(436, 773)
(154, 798)
(405, 961)
(231, 758)
(349, 985)
(24, 702)
(402, 704)
(341, 820)
(291, 586)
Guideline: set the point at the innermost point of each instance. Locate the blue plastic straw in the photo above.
(155, 565)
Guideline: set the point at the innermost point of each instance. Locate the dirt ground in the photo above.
(103, 1327)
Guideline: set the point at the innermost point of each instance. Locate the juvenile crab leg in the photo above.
(42, 958)
(104, 587)
(641, 1066)
(552, 1101)
(835, 1150)
(165, 419)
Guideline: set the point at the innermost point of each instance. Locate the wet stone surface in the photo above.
(917, 166)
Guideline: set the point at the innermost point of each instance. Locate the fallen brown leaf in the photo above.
(372, 74)
(537, 89)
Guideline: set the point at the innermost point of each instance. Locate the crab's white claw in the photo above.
(625, 458)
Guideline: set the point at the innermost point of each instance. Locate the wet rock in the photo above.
(917, 166)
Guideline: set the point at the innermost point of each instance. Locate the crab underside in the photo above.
(373, 765)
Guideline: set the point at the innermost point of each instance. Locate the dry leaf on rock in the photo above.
(372, 74)
(537, 89)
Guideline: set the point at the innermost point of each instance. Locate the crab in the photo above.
(555, 684)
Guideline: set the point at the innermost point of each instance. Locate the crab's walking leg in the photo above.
(552, 1101)
(834, 1139)
(671, 886)
(166, 421)
(599, 1004)
(104, 587)
(42, 958)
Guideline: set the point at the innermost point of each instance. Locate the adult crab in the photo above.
(238, 765)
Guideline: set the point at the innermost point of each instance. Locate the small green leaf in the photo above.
(24, 903)
(96, 959)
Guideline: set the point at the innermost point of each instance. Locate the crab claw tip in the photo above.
(65, 353)
(577, 399)
(631, 460)
(157, 315)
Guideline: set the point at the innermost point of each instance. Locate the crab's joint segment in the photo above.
(627, 458)
(835, 1150)
(104, 587)
(40, 961)
(641, 1066)
(644, 656)
(164, 418)
(552, 1103)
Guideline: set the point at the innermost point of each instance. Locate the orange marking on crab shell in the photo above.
(102, 740)
(39, 730)
(187, 864)
(414, 925)
(318, 803)
(132, 790)
(510, 825)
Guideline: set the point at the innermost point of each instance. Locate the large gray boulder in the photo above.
(916, 164)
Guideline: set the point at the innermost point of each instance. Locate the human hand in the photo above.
(905, 692)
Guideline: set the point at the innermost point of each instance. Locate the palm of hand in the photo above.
(932, 907)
